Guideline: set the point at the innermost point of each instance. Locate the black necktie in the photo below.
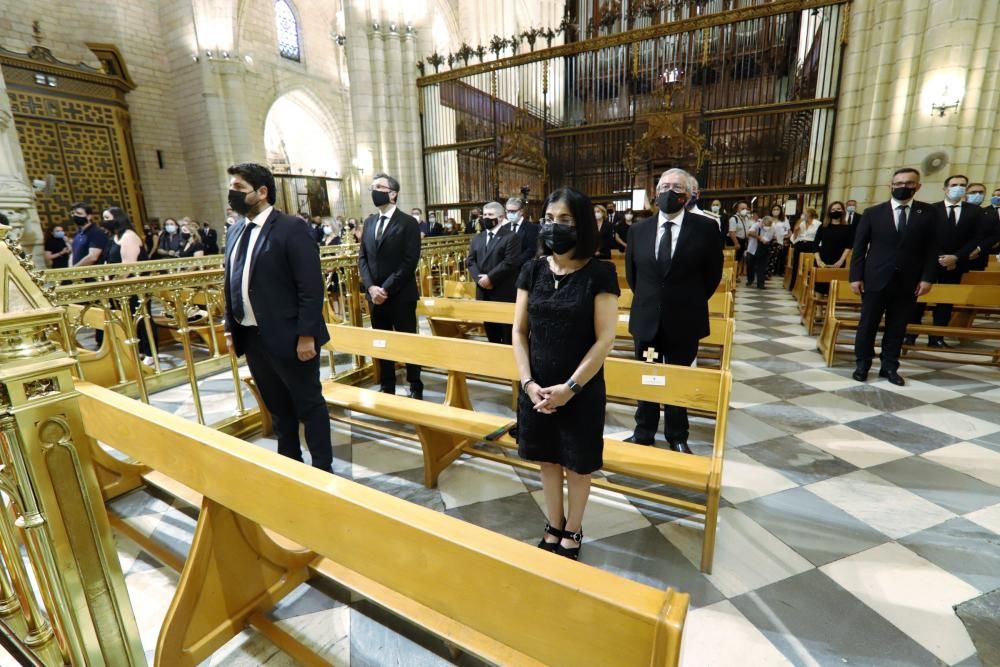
(951, 215)
(902, 219)
(663, 254)
(236, 273)
(380, 228)
(513, 227)
(489, 239)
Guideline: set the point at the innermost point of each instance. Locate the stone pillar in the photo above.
(414, 146)
(17, 198)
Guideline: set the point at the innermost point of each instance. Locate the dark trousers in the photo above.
(292, 393)
(942, 311)
(402, 317)
(797, 250)
(757, 264)
(647, 415)
(498, 333)
(896, 302)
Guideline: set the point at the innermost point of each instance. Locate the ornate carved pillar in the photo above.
(17, 199)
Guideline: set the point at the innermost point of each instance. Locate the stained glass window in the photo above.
(288, 30)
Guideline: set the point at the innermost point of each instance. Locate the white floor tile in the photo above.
(743, 396)
(836, 408)
(881, 504)
(748, 352)
(745, 479)
(383, 457)
(744, 325)
(744, 644)
(820, 379)
(805, 357)
(747, 557)
(743, 371)
(743, 429)
(977, 372)
(803, 342)
(747, 338)
(326, 632)
(949, 421)
(151, 592)
(793, 330)
(470, 481)
(975, 460)
(925, 392)
(857, 448)
(991, 395)
(988, 518)
(607, 514)
(788, 319)
(911, 593)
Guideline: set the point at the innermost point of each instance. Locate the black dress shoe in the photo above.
(909, 339)
(892, 377)
(386, 390)
(938, 343)
(417, 391)
(681, 446)
(633, 440)
(861, 373)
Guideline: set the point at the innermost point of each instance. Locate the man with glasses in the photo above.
(387, 259)
(673, 264)
(895, 260)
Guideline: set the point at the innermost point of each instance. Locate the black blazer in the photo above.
(499, 262)
(606, 240)
(961, 239)
(286, 285)
(392, 262)
(676, 303)
(527, 233)
(880, 251)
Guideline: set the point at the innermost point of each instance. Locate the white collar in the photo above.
(262, 217)
(677, 221)
(391, 211)
(958, 203)
(896, 203)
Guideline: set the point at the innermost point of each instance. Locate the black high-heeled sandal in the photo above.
(552, 546)
(572, 553)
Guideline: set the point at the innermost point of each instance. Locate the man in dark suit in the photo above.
(894, 261)
(989, 234)
(274, 311)
(673, 264)
(526, 232)
(387, 259)
(210, 238)
(472, 224)
(493, 256)
(959, 239)
(852, 213)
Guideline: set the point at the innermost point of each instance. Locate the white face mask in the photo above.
(327, 229)
(512, 216)
(716, 209)
(171, 229)
(851, 209)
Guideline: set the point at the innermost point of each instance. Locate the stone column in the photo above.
(415, 153)
(17, 198)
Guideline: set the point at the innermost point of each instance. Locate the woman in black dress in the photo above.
(191, 243)
(57, 248)
(833, 242)
(125, 247)
(605, 233)
(564, 327)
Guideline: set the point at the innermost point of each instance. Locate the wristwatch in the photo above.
(574, 386)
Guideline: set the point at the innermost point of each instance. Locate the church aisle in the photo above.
(854, 518)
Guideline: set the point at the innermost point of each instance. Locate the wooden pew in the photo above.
(446, 431)
(99, 366)
(508, 602)
(459, 289)
(961, 296)
(800, 292)
(455, 318)
(814, 308)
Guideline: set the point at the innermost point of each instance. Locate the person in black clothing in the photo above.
(57, 248)
(989, 234)
(387, 260)
(526, 231)
(564, 328)
(673, 265)
(472, 226)
(274, 312)
(89, 242)
(125, 247)
(168, 243)
(191, 243)
(493, 257)
(895, 260)
(621, 229)
(833, 242)
(210, 238)
(960, 236)
(605, 233)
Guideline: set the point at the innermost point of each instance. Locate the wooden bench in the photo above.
(814, 307)
(446, 431)
(456, 318)
(960, 296)
(503, 600)
(100, 366)
(806, 261)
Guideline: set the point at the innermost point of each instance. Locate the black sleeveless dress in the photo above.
(561, 325)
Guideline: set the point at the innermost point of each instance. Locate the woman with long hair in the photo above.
(191, 242)
(125, 247)
(564, 327)
(803, 240)
(834, 240)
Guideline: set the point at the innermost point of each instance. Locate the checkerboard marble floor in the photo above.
(856, 518)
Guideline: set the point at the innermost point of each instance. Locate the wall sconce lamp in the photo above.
(944, 103)
(339, 39)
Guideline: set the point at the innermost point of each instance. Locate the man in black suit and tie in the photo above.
(494, 254)
(959, 240)
(853, 216)
(895, 260)
(526, 232)
(274, 311)
(387, 259)
(673, 264)
(989, 234)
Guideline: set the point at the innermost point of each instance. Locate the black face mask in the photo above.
(903, 193)
(670, 202)
(238, 202)
(380, 198)
(185, 236)
(557, 237)
(488, 223)
(80, 220)
(836, 215)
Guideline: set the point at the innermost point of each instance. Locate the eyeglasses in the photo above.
(905, 184)
(380, 188)
(667, 187)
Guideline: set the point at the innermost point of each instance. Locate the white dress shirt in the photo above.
(896, 205)
(248, 317)
(765, 233)
(739, 225)
(661, 230)
(947, 211)
(781, 230)
(388, 217)
(809, 233)
(708, 214)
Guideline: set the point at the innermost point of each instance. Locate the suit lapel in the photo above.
(269, 225)
(683, 238)
(391, 227)
(493, 246)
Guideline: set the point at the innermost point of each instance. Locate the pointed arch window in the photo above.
(288, 31)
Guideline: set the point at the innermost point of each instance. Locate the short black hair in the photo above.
(582, 210)
(87, 208)
(948, 180)
(393, 183)
(905, 170)
(257, 175)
